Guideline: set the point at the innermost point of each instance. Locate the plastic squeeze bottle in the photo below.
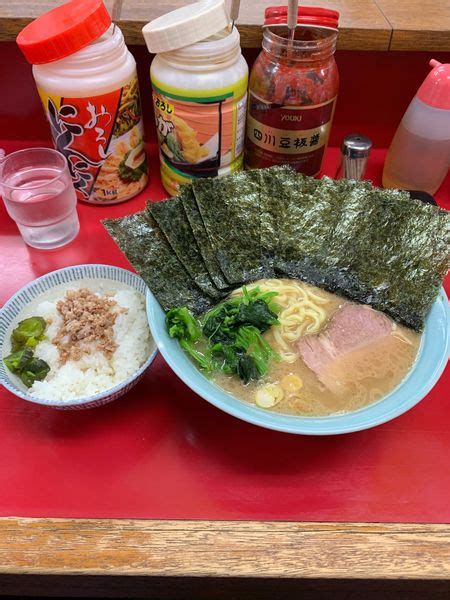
(419, 156)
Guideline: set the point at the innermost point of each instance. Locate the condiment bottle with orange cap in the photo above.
(419, 156)
(87, 81)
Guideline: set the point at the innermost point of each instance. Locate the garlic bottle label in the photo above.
(102, 140)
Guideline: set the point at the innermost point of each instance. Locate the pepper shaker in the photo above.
(355, 150)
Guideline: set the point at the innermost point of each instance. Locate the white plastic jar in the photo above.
(102, 67)
(91, 99)
(199, 94)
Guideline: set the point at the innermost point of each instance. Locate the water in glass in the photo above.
(42, 201)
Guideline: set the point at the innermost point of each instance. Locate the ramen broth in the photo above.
(353, 380)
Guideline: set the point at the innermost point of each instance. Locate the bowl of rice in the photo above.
(95, 345)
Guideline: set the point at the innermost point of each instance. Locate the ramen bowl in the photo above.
(428, 367)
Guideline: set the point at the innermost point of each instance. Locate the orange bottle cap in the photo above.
(63, 30)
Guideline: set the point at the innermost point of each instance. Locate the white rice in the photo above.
(94, 373)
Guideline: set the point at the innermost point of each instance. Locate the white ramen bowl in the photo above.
(430, 363)
(91, 274)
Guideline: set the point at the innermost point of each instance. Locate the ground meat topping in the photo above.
(87, 324)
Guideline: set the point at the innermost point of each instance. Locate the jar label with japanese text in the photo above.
(102, 140)
(199, 136)
(294, 135)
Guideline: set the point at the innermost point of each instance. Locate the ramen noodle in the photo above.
(302, 311)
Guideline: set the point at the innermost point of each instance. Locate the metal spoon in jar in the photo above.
(116, 11)
(234, 11)
(292, 20)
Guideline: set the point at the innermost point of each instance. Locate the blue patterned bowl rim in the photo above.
(32, 290)
(430, 363)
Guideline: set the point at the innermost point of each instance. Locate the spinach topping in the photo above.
(232, 332)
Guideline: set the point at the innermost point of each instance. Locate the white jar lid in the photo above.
(185, 26)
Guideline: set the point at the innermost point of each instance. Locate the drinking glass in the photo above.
(39, 195)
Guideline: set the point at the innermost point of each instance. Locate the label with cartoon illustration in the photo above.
(198, 136)
(102, 140)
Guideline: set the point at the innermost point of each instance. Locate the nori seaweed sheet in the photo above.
(230, 209)
(148, 250)
(399, 254)
(203, 242)
(173, 222)
(373, 246)
(344, 200)
(274, 189)
(352, 202)
(303, 227)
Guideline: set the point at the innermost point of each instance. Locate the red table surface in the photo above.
(163, 452)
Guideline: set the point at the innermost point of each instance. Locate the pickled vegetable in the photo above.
(16, 361)
(28, 332)
(22, 361)
(35, 370)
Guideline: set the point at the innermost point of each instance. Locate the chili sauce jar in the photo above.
(199, 83)
(292, 92)
(87, 81)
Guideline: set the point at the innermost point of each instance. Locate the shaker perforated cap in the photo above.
(356, 145)
(186, 25)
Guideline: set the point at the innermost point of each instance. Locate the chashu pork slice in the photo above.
(353, 327)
